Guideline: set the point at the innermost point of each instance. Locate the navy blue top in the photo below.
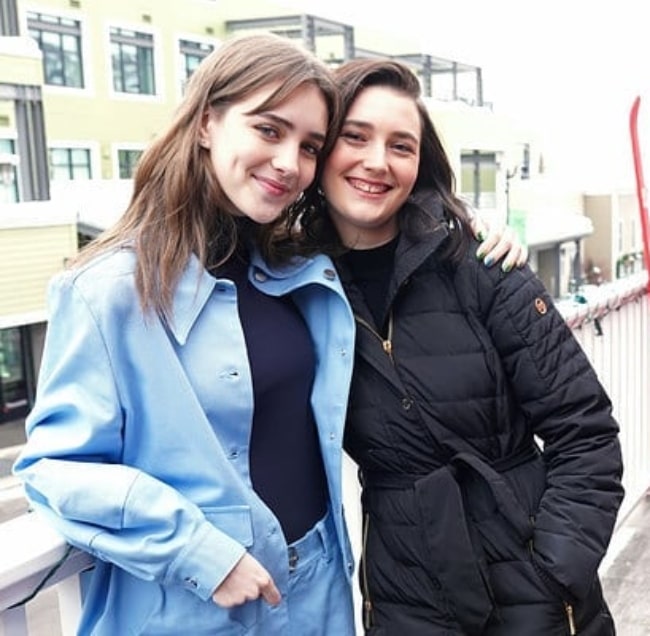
(371, 271)
(285, 459)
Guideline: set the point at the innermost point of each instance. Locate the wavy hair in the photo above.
(178, 207)
(434, 171)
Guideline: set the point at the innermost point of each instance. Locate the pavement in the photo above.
(625, 572)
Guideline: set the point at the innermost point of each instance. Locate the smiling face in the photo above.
(263, 161)
(373, 167)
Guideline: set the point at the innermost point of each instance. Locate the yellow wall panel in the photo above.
(29, 257)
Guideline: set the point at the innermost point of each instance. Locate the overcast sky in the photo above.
(571, 67)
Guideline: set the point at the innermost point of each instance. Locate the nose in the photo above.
(286, 157)
(375, 157)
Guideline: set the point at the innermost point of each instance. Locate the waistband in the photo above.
(381, 479)
(319, 541)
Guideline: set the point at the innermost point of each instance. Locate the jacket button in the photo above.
(407, 403)
(329, 274)
(260, 276)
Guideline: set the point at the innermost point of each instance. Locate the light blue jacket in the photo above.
(138, 442)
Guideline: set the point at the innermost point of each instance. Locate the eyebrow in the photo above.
(290, 125)
(401, 134)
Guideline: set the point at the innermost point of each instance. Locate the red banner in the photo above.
(640, 183)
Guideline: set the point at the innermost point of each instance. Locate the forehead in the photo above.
(272, 93)
(385, 106)
(303, 108)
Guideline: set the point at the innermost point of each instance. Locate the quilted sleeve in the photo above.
(568, 409)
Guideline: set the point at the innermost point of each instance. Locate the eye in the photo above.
(404, 148)
(352, 136)
(270, 132)
(311, 149)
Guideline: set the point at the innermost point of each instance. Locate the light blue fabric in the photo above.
(138, 443)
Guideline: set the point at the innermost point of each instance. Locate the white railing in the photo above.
(34, 557)
(612, 326)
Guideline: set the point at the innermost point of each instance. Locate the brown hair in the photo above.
(434, 171)
(178, 207)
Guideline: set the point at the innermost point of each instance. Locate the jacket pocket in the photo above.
(235, 521)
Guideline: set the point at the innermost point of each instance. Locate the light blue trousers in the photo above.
(320, 596)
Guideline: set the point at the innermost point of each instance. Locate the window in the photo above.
(127, 160)
(133, 63)
(8, 171)
(478, 178)
(69, 163)
(193, 54)
(60, 42)
(13, 383)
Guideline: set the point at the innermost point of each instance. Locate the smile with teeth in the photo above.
(369, 187)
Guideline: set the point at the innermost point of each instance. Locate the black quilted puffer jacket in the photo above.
(488, 454)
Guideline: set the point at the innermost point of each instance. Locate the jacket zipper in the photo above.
(568, 608)
(367, 603)
(386, 343)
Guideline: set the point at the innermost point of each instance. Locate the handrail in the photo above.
(30, 549)
(593, 302)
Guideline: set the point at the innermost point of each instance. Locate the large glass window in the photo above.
(127, 160)
(192, 53)
(69, 163)
(60, 42)
(133, 62)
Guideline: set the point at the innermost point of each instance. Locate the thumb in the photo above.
(271, 594)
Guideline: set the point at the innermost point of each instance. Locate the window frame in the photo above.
(129, 147)
(181, 66)
(78, 32)
(90, 149)
(9, 154)
(157, 63)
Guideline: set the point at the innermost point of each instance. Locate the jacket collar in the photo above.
(196, 284)
(192, 291)
(411, 251)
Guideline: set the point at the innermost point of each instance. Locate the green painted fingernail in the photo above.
(506, 267)
(488, 261)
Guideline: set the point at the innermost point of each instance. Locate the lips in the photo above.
(273, 186)
(369, 187)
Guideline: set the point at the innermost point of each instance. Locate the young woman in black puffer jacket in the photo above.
(488, 454)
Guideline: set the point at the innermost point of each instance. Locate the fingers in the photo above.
(247, 581)
(502, 245)
(478, 226)
(270, 593)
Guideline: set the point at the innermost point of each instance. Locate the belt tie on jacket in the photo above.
(455, 553)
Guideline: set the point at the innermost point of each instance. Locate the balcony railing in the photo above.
(612, 325)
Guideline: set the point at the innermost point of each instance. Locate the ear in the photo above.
(204, 131)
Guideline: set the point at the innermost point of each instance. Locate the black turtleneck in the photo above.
(371, 271)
